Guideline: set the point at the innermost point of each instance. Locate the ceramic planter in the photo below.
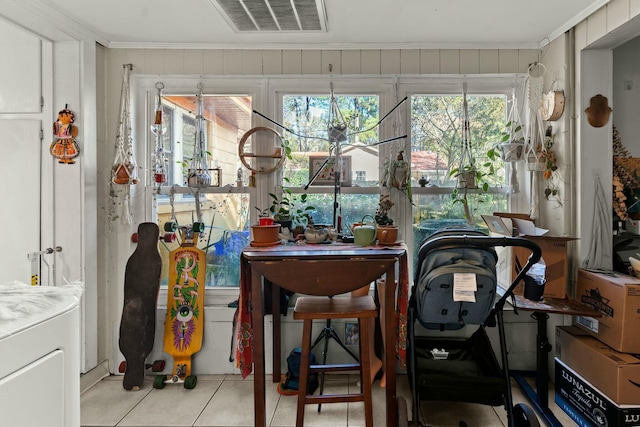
(265, 233)
(512, 151)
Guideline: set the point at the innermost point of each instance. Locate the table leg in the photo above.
(275, 308)
(540, 396)
(257, 319)
(390, 345)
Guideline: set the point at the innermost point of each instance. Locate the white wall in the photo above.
(595, 37)
(626, 94)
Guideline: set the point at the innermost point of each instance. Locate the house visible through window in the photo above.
(226, 216)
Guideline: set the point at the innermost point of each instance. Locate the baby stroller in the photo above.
(454, 286)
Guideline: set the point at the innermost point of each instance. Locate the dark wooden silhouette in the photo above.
(138, 322)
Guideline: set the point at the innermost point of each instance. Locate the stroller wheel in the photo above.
(524, 416)
(403, 417)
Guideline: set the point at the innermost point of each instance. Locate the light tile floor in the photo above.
(227, 400)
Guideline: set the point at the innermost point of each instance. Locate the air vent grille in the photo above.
(274, 15)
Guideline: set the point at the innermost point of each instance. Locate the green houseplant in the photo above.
(473, 176)
(512, 143)
(289, 209)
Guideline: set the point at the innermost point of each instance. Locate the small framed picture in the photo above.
(351, 334)
(327, 174)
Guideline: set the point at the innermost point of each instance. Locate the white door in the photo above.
(20, 213)
(21, 168)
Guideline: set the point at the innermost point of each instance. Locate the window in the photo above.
(431, 118)
(436, 148)
(225, 215)
(311, 118)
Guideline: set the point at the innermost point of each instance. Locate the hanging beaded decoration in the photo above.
(124, 171)
(198, 175)
(159, 160)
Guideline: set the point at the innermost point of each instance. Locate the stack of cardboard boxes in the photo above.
(597, 359)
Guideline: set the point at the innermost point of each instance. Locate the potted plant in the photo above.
(264, 216)
(474, 176)
(512, 143)
(382, 213)
(287, 209)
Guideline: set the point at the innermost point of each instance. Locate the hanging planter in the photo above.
(198, 175)
(159, 159)
(513, 151)
(124, 171)
(467, 180)
(536, 161)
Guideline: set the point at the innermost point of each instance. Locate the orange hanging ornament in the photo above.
(64, 147)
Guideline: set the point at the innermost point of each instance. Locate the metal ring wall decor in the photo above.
(278, 154)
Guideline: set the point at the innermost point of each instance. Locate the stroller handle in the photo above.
(484, 242)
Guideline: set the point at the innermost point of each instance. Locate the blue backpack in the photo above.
(293, 374)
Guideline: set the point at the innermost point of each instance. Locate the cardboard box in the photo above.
(615, 374)
(617, 297)
(586, 405)
(554, 253)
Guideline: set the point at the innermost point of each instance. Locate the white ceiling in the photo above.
(357, 24)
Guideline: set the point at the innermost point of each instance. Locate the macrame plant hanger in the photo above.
(535, 134)
(124, 171)
(513, 148)
(199, 176)
(159, 160)
(337, 134)
(467, 176)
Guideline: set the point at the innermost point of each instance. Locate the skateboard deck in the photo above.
(138, 321)
(184, 322)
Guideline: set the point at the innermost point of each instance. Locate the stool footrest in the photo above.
(335, 367)
(334, 398)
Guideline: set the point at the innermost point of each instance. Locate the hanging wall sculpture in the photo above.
(64, 146)
(124, 171)
(159, 160)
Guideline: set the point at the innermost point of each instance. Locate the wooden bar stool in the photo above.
(312, 308)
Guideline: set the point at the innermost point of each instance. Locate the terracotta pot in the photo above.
(387, 234)
(265, 233)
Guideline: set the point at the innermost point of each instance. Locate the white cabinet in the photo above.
(40, 369)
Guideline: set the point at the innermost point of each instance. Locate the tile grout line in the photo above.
(208, 401)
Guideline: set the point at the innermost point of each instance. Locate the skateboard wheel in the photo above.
(198, 227)
(158, 382)
(122, 366)
(169, 237)
(170, 226)
(157, 366)
(134, 238)
(190, 382)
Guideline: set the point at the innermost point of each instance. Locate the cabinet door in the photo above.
(20, 214)
(21, 70)
(33, 396)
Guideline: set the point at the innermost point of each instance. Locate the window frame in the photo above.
(144, 106)
(266, 94)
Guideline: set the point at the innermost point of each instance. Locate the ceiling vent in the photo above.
(273, 15)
